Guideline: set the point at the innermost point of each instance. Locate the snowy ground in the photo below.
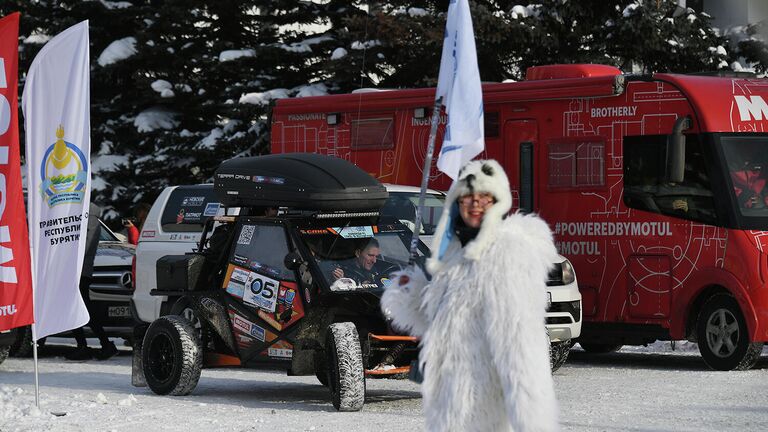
(640, 389)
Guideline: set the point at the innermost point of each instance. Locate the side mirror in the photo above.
(676, 151)
(292, 261)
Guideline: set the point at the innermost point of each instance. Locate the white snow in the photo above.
(163, 87)
(312, 90)
(209, 142)
(37, 38)
(118, 50)
(116, 5)
(417, 12)
(357, 45)
(101, 163)
(155, 118)
(629, 10)
(338, 53)
(721, 50)
(639, 389)
(264, 97)
(229, 55)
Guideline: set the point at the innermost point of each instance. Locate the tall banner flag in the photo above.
(56, 103)
(15, 278)
(459, 86)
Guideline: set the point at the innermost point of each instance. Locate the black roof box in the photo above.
(305, 181)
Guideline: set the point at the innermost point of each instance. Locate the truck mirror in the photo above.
(676, 151)
(292, 261)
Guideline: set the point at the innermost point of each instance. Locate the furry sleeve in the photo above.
(516, 267)
(402, 303)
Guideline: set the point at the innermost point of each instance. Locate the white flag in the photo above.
(56, 103)
(459, 85)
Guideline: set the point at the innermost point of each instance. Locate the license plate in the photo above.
(118, 311)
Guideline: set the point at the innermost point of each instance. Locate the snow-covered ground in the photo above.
(641, 389)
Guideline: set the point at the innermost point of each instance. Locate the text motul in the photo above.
(7, 272)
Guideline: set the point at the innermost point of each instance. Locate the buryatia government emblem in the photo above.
(64, 172)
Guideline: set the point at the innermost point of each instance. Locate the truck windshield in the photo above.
(746, 159)
(646, 187)
(359, 257)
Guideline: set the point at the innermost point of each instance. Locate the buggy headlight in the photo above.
(561, 274)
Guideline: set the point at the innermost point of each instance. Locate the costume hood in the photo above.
(480, 176)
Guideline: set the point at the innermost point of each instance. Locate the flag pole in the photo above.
(34, 354)
(425, 177)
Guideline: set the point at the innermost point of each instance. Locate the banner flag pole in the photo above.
(425, 177)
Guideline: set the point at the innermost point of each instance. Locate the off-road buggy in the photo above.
(265, 291)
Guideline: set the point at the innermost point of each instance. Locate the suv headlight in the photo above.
(561, 274)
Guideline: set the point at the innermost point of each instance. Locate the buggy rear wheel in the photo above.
(171, 356)
(346, 379)
(558, 353)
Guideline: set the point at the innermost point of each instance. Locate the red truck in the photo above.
(654, 185)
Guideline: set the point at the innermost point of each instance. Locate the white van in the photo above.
(173, 226)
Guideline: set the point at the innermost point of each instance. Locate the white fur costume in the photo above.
(484, 349)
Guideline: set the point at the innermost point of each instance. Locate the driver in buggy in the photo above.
(361, 267)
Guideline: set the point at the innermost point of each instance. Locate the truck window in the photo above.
(645, 187)
(188, 208)
(576, 163)
(262, 248)
(373, 133)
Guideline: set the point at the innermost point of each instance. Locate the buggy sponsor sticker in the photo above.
(354, 232)
(147, 234)
(239, 259)
(246, 235)
(193, 201)
(261, 291)
(241, 324)
(271, 180)
(257, 332)
(211, 209)
(240, 275)
(235, 288)
(280, 352)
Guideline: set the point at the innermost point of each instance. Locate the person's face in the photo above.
(367, 257)
(472, 208)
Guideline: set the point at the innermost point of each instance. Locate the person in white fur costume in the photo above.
(484, 350)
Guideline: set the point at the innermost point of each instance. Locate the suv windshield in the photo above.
(401, 206)
(746, 159)
(359, 257)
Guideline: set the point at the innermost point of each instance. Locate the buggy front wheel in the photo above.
(346, 379)
(171, 356)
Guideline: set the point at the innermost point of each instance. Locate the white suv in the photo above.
(173, 226)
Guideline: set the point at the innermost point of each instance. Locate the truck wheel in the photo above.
(722, 335)
(345, 367)
(321, 368)
(558, 353)
(4, 350)
(599, 348)
(171, 356)
(22, 346)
